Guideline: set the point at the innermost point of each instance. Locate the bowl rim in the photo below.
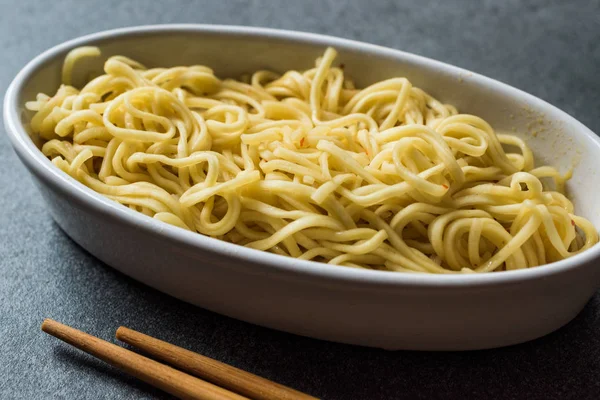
(44, 169)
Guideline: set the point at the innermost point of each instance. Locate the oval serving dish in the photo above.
(372, 308)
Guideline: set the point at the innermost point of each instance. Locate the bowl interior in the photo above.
(556, 138)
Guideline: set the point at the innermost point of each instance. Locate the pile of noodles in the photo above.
(306, 165)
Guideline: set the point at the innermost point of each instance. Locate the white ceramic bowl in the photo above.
(372, 308)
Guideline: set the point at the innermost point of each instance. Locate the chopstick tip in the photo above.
(47, 323)
(119, 332)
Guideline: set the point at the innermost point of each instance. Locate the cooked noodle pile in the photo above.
(305, 165)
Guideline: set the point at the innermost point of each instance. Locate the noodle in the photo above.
(305, 165)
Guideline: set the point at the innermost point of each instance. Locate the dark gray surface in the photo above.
(548, 48)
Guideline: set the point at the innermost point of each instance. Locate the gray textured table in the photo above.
(548, 48)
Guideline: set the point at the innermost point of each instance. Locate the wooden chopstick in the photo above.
(213, 371)
(163, 377)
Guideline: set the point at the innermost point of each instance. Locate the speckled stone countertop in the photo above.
(548, 48)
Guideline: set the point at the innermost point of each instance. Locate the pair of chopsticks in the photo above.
(208, 379)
